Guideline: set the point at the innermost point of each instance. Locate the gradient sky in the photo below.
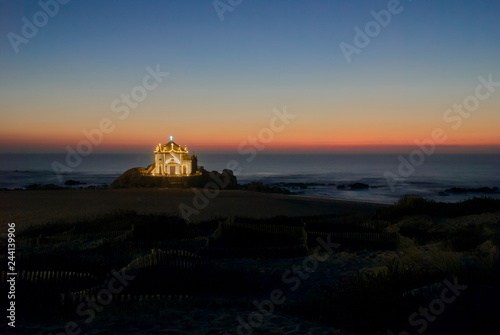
(226, 77)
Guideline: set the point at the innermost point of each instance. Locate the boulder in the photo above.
(258, 186)
(44, 187)
(137, 177)
(359, 186)
(131, 178)
(255, 186)
(461, 190)
(225, 180)
(72, 182)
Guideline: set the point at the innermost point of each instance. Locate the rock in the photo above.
(461, 190)
(37, 187)
(295, 185)
(279, 190)
(341, 187)
(255, 186)
(137, 177)
(229, 177)
(225, 180)
(359, 186)
(131, 178)
(260, 187)
(456, 190)
(72, 182)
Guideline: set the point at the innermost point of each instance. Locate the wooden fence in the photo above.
(171, 259)
(70, 235)
(170, 262)
(30, 282)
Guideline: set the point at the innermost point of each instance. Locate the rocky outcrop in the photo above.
(43, 187)
(137, 177)
(50, 187)
(225, 180)
(355, 186)
(359, 186)
(131, 178)
(260, 187)
(461, 190)
(72, 182)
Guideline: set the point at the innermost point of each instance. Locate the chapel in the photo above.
(172, 160)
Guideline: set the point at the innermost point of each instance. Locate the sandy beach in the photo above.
(35, 207)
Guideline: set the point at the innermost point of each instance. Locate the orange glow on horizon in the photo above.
(301, 135)
(36, 144)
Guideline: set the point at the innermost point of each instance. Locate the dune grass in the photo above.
(437, 241)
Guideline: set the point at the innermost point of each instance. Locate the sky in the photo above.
(349, 75)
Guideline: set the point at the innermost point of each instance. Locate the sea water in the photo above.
(326, 171)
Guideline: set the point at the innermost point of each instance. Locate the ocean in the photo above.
(322, 171)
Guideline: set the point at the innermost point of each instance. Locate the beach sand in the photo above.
(38, 207)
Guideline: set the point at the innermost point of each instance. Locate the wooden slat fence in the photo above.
(70, 235)
(31, 282)
(172, 259)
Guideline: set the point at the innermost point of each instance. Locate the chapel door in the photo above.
(172, 170)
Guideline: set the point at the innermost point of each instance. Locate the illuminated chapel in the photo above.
(173, 161)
